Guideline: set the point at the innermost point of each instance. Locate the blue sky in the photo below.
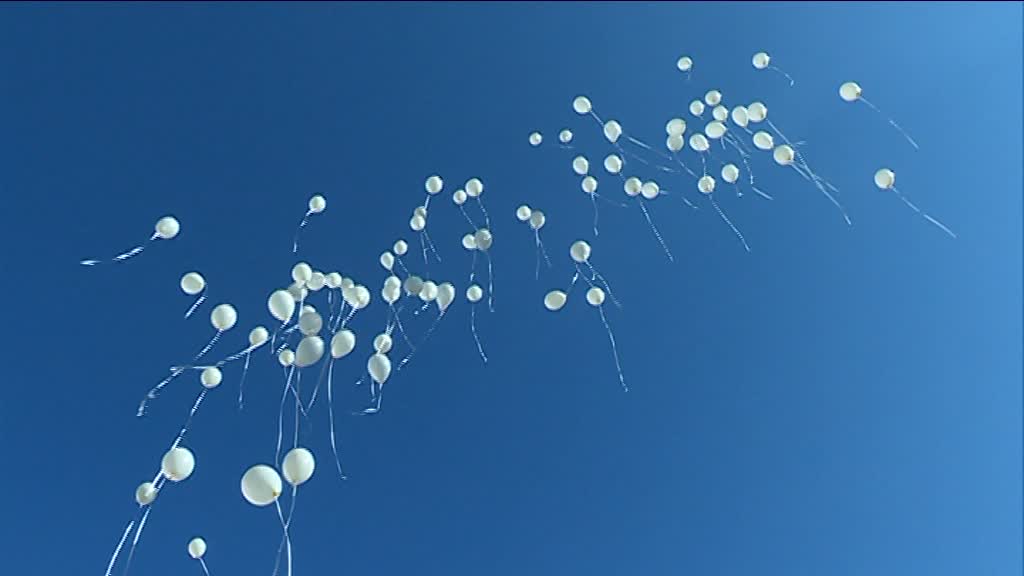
(842, 400)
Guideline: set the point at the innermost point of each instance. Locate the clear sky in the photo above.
(841, 401)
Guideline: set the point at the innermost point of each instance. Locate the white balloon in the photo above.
(379, 367)
(192, 283)
(258, 336)
(286, 358)
(417, 223)
(310, 323)
(740, 116)
(699, 143)
(581, 105)
(211, 377)
(537, 219)
(684, 64)
(757, 112)
(343, 343)
(429, 291)
(261, 485)
(334, 280)
(580, 165)
(764, 141)
(675, 127)
(783, 155)
(696, 107)
(316, 281)
(885, 179)
(177, 464)
(474, 293)
(382, 343)
(469, 242)
(390, 294)
(760, 60)
(413, 285)
(589, 184)
(145, 494)
(675, 142)
(483, 239)
(706, 185)
(715, 130)
(362, 294)
(474, 187)
(612, 131)
(223, 317)
(565, 136)
(730, 173)
(400, 248)
(445, 295)
(387, 260)
(613, 164)
(298, 291)
(523, 213)
(197, 548)
(850, 92)
(420, 211)
(536, 138)
(459, 197)
(298, 466)
(167, 228)
(713, 98)
(632, 186)
(650, 190)
(554, 300)
(433, 184)
(595, 296)
(579, 251)
(309, 351)
(302, 272)
(720, 113)
(317, 204)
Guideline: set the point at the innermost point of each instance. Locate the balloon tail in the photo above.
(735, 230)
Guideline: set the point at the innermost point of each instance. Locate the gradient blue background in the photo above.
(840, 401)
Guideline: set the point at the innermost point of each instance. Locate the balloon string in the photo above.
(615, 351)
(199, 301)
(923, 214)
(483, 209)
(430, 244)
(330, 413)
(135, 540)
(607, 286)
(729, 222)
(241, 383)
(490, 283)
(117, 550)
(891, 123)
(541, 251)
(287, 525)
(206, 571)
(295, 242)
(476, 337)
(188, 421)
(401, 329)
(423, 341)
(280, 414)
(288, 539)
(468, 219)
(656, 233)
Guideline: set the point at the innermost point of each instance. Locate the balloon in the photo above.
(675, 127)
(302, 272)
(387, 261)
(400, 248)
(192, 283)
(433, 184)
(382, 343)
(632, 186)
(298, 291)
(413, 285)
(167, 228)
(211, 377)
(342, 343)
(612, 131)
(258, 336)
(145, 494)
(764, 141)
(469, 242)
(699, 143)
(420, 211)
(286, 358)
(720, 113)
(761, 60)
(613, 164)
(581, 105)
(310, 323)
(580, 165)
(429, 291)
(223, 317)
(730, 173)
(783, 155)
(537, 220)
(316, 281)
(298, 466)
(850, 92)
(459, 197)
(483, 239)
(706, 185)
(309, 351)
(317, 204)
(579, 251)
(445, 296)
(177, 464)
(474, 293)
(197, 548)
(713, 98)
(379, 368)
(650, 190)
(554, 300)
(675, 142)
(261, 485)
(885, 179)
(536, 139)
(696, 107)
(740, 116)
(589, 184)
(565, 136)
(684, 64)
(474, 187)
(334, 280)
(523, 213)
(757, 112)
(417, 223)
(715, 130)
(595, 296)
